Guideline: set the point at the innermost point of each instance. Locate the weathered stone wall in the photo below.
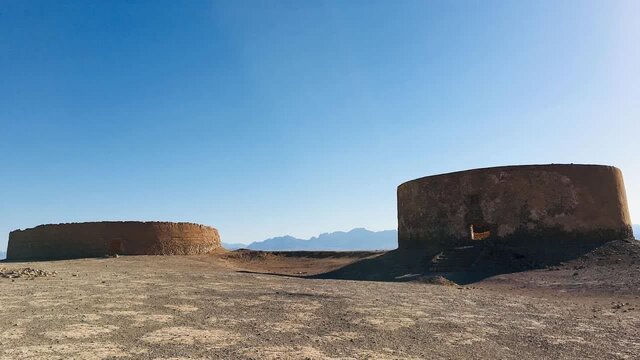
(534, 208)
(92, 239)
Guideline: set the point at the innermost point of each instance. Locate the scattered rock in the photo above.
(28, 273)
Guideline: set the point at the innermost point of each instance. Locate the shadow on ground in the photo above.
(411, 265)
(400, 265)
(392, 266)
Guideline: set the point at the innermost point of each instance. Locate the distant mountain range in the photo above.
(234, 246)
(356, 239)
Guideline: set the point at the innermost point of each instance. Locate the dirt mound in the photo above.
(431, 279)
(619, 252)
(248, 255)
(436, 280)
(613, 268)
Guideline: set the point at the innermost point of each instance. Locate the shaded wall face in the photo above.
(517, 202)
(65, 241)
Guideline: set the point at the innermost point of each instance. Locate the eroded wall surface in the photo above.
(529, 205)
(93, 239)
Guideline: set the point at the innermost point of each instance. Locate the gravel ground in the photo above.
(203, 307)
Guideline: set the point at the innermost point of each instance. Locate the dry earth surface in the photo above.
(226, 306)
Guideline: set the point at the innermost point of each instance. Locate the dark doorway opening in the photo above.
(479, 232)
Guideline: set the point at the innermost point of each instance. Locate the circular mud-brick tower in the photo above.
(543, 212)
(94, 239)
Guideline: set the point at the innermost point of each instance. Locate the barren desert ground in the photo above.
(227, 307)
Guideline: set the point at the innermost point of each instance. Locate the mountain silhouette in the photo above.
(356, 239)
(233, 246)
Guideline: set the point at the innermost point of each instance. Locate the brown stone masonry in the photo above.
(93, 239)
(538, 209)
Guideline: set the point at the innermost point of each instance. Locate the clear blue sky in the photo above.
(299, 117)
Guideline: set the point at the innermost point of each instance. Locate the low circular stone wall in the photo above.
(94, 239)
(543, 209)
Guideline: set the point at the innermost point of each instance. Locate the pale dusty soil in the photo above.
(206, 307)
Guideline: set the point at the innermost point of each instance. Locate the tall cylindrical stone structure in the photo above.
(93, 239)
(533, 209)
